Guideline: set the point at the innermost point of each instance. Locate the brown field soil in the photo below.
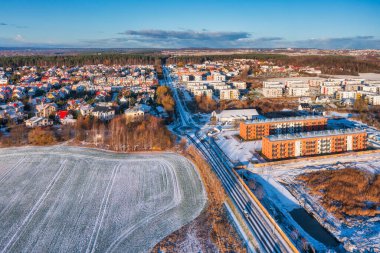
(345, 193)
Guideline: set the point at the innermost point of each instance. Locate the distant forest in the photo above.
(330, 64)
(77, 60)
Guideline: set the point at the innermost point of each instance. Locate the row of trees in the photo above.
(120, 134)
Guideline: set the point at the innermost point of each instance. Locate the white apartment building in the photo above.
(219, 77)
(353, 81)
(228, 94)
(240, 85)
(315, 82)
(373, 99)
(296, 83)
(370, 88)
(330, 90)
(298, 91)
(272, 92)
(201, 87)
(206, 92)
(221, 87)
(185, 78)
(333, 82)
(353, 87)
(273, 85)
(341, 95)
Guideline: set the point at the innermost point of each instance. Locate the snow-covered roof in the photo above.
(298, 118)
(237, 113)
(305, 135)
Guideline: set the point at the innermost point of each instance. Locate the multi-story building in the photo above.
(276, 147)
(298, 91)
(273, 85)
(228, 94)
(239, 85)
(256, 129)
(341, 95)
(373, 99)
(330, 90)
(272, 92)
(219, 77)
(204, 92)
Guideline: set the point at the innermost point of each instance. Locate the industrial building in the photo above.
(256, 129)
(236, 115)
(313, 143)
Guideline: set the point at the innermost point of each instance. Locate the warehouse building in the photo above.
(236, 115)
(276, 147)
(256, 129)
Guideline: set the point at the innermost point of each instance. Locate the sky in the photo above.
(334, 24)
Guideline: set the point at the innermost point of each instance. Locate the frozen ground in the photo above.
(279, 180)
(236, 150)
(66, 199)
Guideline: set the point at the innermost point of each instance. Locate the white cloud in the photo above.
(19, 38)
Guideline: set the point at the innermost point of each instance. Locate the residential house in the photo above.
(44, 110)
(38, 121)
(103, 113)
(134, 114)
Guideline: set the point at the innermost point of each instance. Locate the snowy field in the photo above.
(66, 199)
(284, 192)
(236, 150)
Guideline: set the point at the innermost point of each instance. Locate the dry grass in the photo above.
(345, 192)
(212, 229)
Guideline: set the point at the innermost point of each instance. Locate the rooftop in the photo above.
(298, 118)
(237, 112)
(314, 134)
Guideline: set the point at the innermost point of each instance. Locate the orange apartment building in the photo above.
(276, 147)
(256, 129)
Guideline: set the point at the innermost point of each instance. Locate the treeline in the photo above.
(332, 64)
(198, 59)
(75, 60)
(329, 64)
(120, 134)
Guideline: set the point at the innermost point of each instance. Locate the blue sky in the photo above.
(178, 24)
